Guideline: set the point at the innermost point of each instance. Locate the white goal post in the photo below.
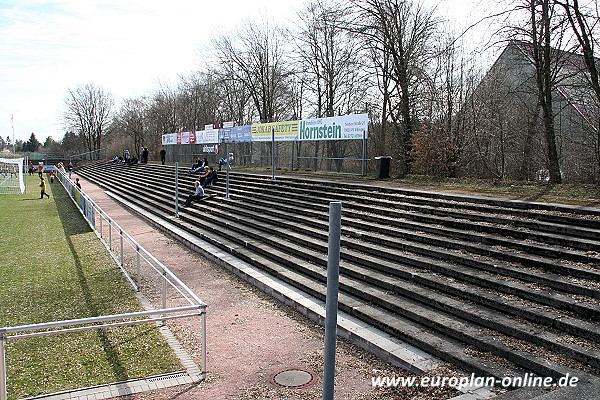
(11, 176)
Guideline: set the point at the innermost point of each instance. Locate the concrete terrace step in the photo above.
(251, 209)
(391, 228)
(368, 202)
(519, 208)
(442, 300)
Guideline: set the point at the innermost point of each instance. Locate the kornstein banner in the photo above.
(283, 131)
(334, 128)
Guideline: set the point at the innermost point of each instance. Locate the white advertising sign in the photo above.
(334, 128)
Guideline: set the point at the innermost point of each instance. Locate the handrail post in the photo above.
(122, 249)
(110, 235)
(137, 267)
(204, 368)
(3, 392)
(164, 289)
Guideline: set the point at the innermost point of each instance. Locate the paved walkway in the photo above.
(251, 336)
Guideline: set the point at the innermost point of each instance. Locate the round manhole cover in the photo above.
(293, 378)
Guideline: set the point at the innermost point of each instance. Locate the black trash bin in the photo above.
(383, 167)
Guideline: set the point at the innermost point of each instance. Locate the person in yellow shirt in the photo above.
(42, 186)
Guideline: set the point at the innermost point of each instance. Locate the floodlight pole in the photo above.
(12, 120)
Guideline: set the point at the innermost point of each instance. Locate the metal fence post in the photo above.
(3, 392)
(331, 301)
(110, 235)
(273, 154)
(364, 154)
(177, 189)
(227, 171)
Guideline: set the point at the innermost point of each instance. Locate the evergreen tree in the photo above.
(32, 144)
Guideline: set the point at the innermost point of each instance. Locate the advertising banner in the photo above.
(347, 127)
(185, 138)
(236, 134)
(207, 136)
(169, 138)
(334, 128)
(284, 131)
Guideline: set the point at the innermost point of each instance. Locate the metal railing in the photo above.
(99, 154)
(135, 262)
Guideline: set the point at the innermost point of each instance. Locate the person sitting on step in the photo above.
(211, 178)
(197, 195)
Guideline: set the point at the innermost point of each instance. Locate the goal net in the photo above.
(11, 176)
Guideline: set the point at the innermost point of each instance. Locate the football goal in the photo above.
(11, 176)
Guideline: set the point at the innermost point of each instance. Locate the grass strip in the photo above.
(53, 267)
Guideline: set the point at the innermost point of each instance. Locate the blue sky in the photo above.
(126, 46)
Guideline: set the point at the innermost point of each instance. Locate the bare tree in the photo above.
(87, 111)
(330, 67)
(584, 26)
(199, 100)
(163, 111)
(400, 32)
(330, 57)
(131, 121)
(541, 12)
(255, 57)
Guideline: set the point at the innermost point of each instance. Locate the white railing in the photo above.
(134, 261)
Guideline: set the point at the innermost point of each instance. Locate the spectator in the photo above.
(211, 178)
(163, 155)
(199, 166)
(77, 183)
(144, 157)
(70, 169)
(197, 195)
(126, 156)
(42, 186)
(61, 167)
(203, 175)
(228, 161)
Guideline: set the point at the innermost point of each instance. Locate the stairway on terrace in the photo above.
(495, 287)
